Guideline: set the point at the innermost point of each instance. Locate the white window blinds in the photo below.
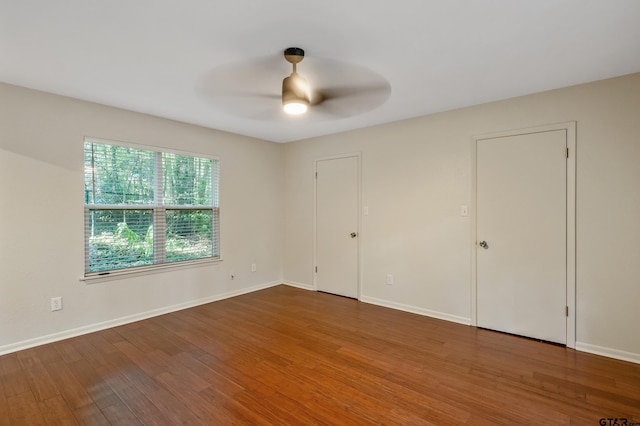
(145, 207)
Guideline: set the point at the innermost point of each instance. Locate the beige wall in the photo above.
(416, 175)
(41, 218)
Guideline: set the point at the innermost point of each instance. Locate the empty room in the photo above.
(268, 213)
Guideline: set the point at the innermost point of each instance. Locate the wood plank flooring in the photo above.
(285, 356)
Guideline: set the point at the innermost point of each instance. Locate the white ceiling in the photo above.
(163, 57)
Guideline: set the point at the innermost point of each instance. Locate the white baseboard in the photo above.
(30, 343)
(608, 352)
(298, 285)
(43, 340)
(416, 310)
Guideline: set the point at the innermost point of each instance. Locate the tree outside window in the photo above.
(145, 207)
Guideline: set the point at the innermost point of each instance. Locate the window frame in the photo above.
(157, 208)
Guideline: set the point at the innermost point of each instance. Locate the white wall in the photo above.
(416, 175)
(41, 218)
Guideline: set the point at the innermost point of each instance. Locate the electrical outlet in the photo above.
(56, 303)
(254, 267)
(389, 279)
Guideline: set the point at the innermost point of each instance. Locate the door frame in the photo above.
(358, 156)
(570, 128)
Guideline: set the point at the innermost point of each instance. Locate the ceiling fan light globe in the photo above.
(295, 108)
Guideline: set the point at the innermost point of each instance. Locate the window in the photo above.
(146, 207)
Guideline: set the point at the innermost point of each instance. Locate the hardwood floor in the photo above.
(290, 356)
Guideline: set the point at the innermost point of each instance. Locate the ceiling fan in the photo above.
(327, 89)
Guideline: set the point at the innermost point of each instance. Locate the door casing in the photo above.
(570, 128)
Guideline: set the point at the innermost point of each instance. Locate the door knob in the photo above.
(483, 244)
(353, 235)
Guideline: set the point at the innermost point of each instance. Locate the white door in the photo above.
(522, 234)
(337, 189)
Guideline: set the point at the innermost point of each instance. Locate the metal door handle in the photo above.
(483, 244)
(353, 235)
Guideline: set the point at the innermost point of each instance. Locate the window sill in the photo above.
(96, 278)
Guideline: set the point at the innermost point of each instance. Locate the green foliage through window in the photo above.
(145, 207)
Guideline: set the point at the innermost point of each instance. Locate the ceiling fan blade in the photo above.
(347, 101)
(338, 92)
(257, 76)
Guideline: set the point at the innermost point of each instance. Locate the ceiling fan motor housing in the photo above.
(295, 90)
